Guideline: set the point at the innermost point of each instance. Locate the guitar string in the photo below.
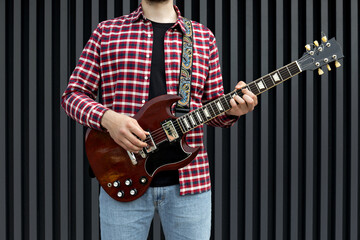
(159, 135)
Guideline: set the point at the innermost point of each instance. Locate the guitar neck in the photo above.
(216, 107)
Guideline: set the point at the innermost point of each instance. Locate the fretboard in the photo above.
(216, 107)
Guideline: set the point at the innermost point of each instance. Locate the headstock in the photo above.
(318, 55)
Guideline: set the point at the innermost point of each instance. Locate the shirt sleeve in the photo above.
(78, 99)
(213, 88)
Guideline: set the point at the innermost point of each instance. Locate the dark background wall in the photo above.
(289, 170)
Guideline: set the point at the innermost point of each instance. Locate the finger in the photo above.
(249, 101)
(239, 100)
(135, 141)
(138, 131)
(240, 85)
(127, 145)
(251, 94)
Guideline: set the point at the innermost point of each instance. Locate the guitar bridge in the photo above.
(170, 130)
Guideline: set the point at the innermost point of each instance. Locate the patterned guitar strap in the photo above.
(183, 105)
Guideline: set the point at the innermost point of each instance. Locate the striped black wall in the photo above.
(289, 170)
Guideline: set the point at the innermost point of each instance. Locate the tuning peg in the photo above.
(320, 71)
(307, 47)
(328, 67)
(316, 43)
(337, 64)
(324, 39)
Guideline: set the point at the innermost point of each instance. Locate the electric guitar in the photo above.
(125, 176)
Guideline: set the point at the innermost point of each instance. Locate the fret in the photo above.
(215, 109)
(186, 123)
(193, 115)
(179, 122)
(206, 112)
(192, 120)
(284, 73)
(269, 81)
(287, 69)
(199, 117)
(219, 106)
(294, 69)
(253, 88)
(276, 77)
(261, 85)
(224, 99)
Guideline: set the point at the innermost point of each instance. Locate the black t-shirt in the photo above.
(157, 88)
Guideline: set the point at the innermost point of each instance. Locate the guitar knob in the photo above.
(316, 43)
(324, 39)
(116, 184)
(320, 71)
(328, 67)
(120, 194)
(307, 47)
(128, 182)
(133, 192)
(143, 180)
(337, 64)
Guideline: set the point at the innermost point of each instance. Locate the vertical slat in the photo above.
(33, 205)
(340, 155)
(17, 115)
(79, 133)
(310, 210)
(234, 78)
(48, 147)
(264, 161)
(95, 221)
(354, 209)
(126, 7)
(203, 13)
(64, 123)
(111, 9)
(218, 159)
(325, 142)
(3, 102)
(295, 129)
(249, 155)
(280, 164)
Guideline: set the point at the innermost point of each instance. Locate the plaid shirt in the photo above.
(117, 58)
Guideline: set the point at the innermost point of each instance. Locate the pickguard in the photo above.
(166, 154)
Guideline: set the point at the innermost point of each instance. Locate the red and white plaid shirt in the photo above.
(117, 58)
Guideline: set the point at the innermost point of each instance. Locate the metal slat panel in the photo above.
(249, 155)
(325, 139)
(33, 131)
(48, 137)
(3, 102)
(310, 155)
(64, 124)
(264, 114)
(279, 161)
(354, 215)
(17, 117)
(339, 118)
(234, 148)
(78, 181)
(295, 130)
(218, 141)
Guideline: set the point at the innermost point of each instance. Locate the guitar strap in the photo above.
(183, 105)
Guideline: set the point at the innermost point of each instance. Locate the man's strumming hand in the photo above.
(124, 130)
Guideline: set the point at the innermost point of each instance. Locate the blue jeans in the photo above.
(182, 217)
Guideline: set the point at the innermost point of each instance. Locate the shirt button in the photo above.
(146, 78)
(149, 35)
(147, 55)
(143, 101)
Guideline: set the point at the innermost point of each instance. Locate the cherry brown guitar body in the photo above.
(126, 176)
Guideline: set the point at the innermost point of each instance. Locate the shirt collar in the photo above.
(139, 14)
